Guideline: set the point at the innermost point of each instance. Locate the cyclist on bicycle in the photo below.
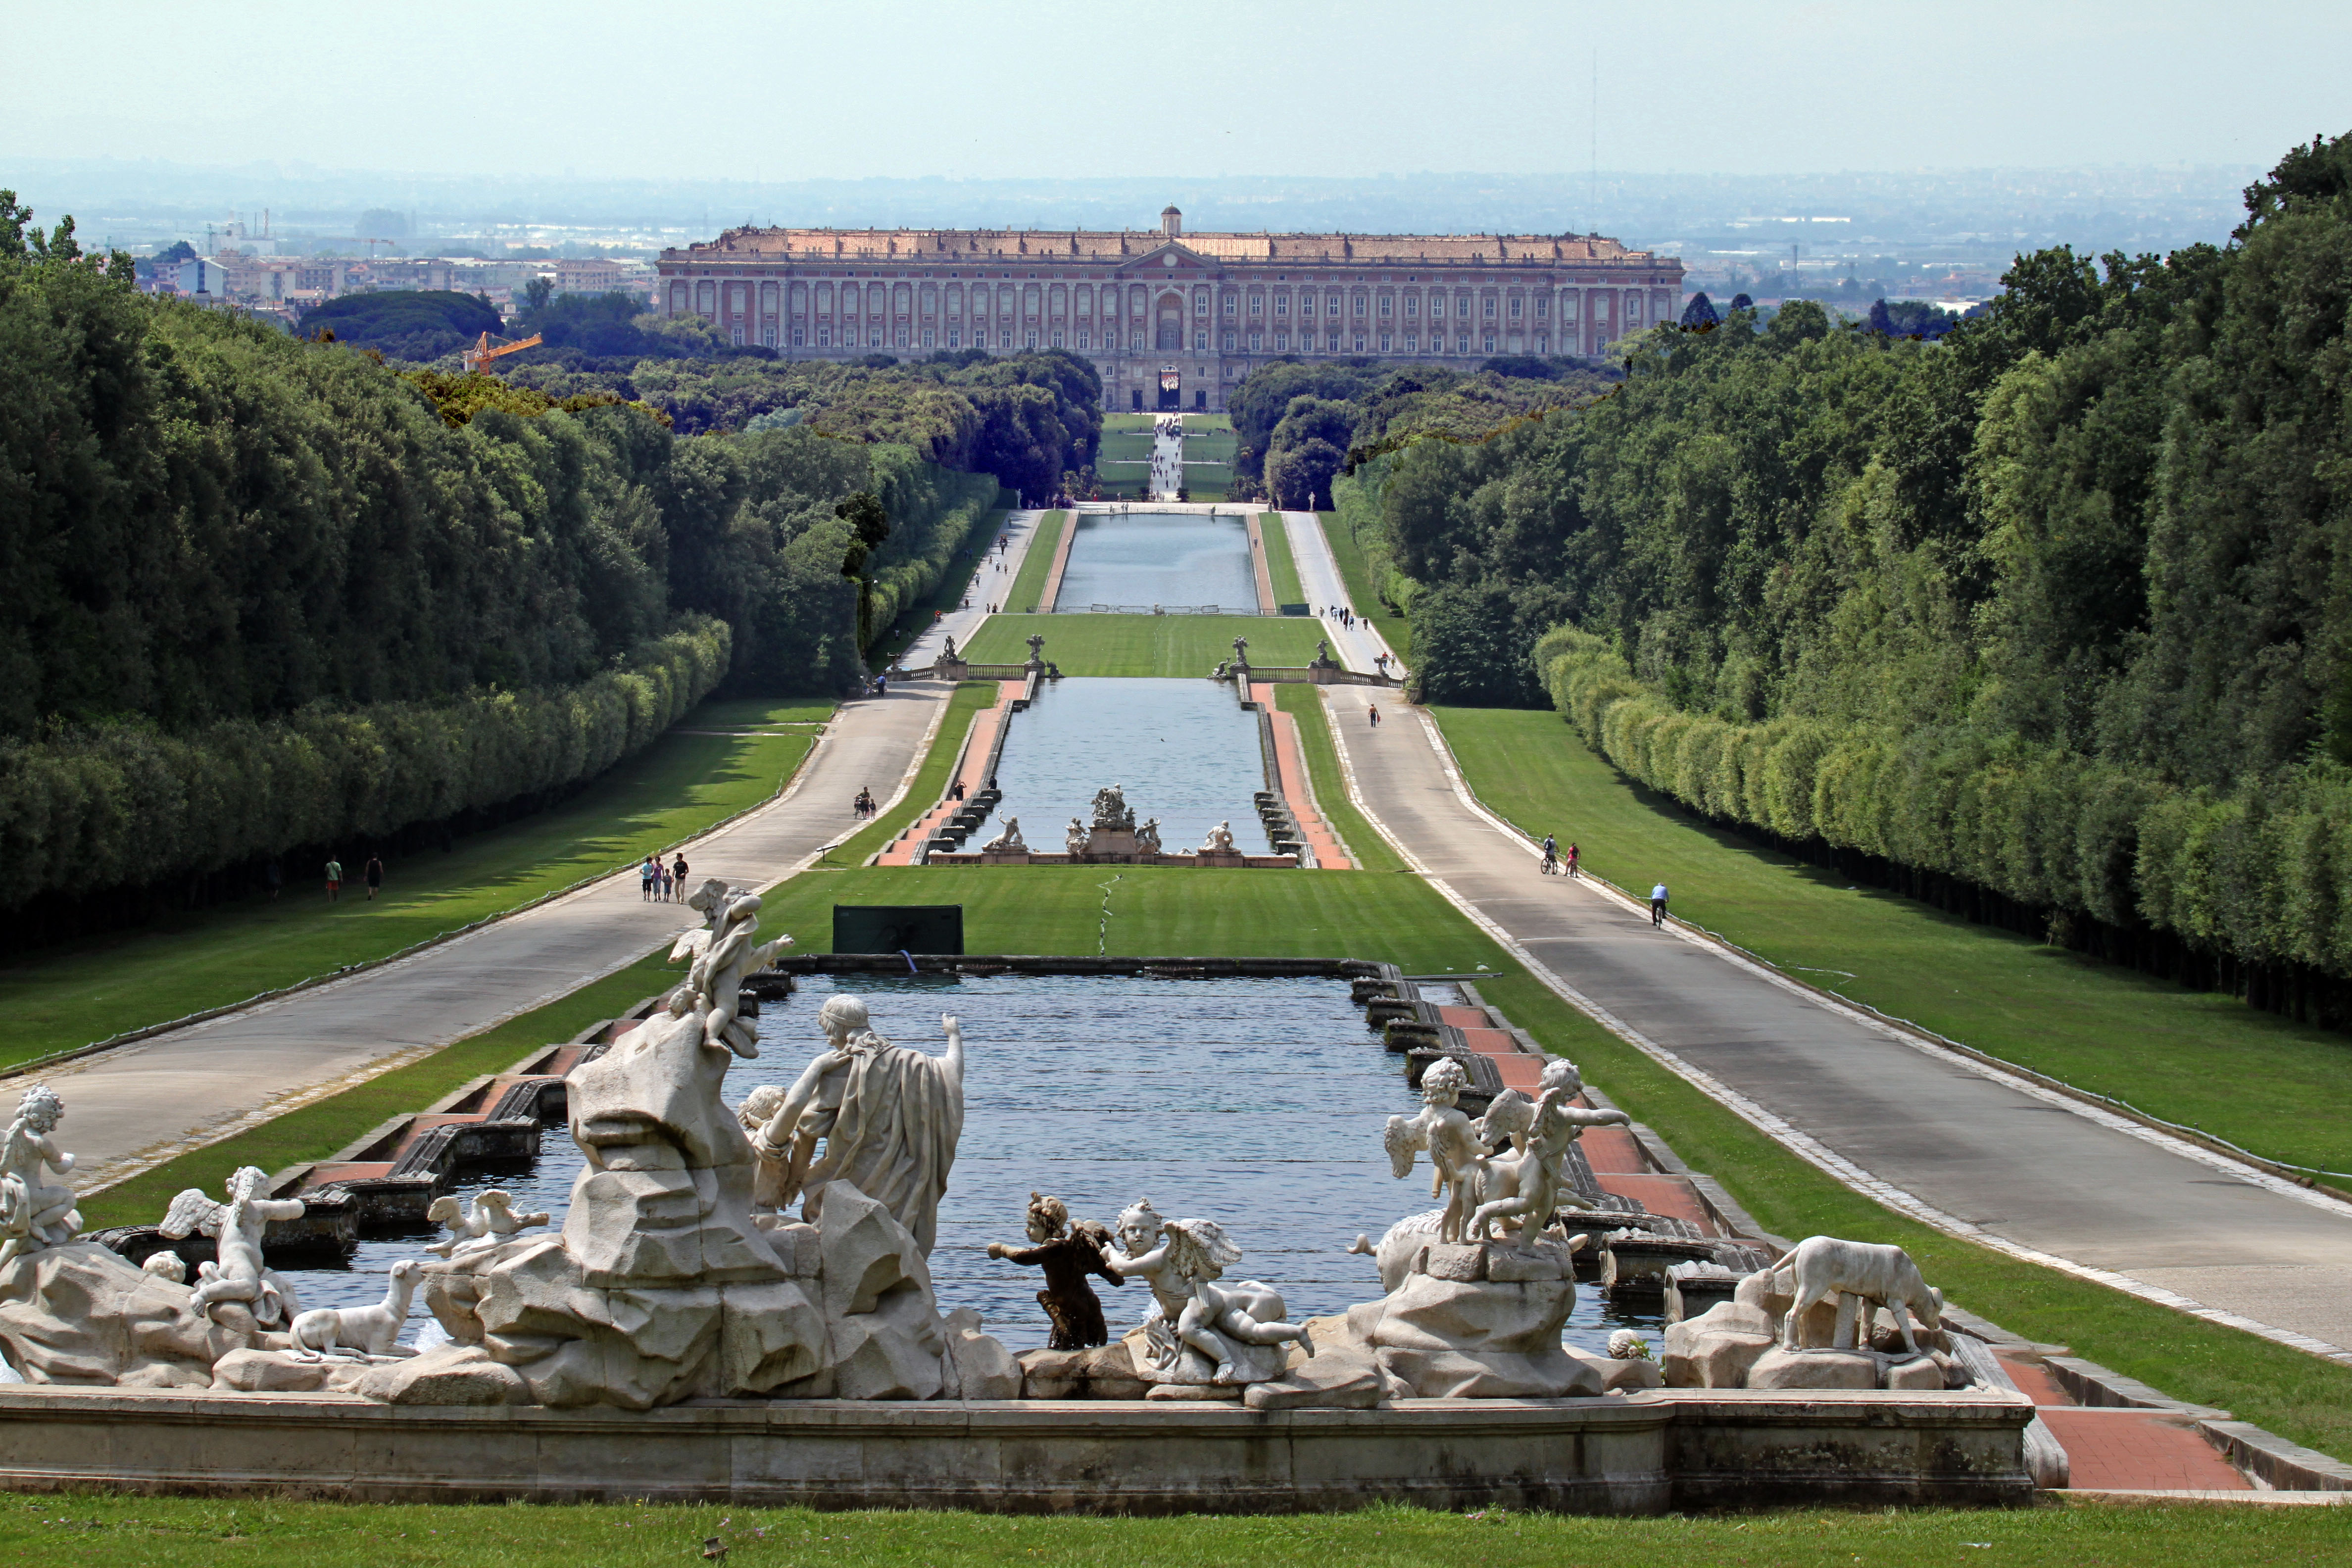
(1551, 856)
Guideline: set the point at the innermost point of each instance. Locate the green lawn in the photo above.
(59, 998)
(2283, 1089)
(1036, 564)
(1127, 425)
(173, 1533)
(1369, 849)
(1279, 563)
(1361, 591)
(1208, 461)
(1145, 645)
(1207, 424)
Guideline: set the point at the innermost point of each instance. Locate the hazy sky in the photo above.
(777, 90)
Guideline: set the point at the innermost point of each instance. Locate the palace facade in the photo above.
(1171, 320)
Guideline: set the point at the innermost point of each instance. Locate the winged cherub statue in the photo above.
(724, 955)
(1442, 1129)
(1521, 1189)
(1181, 1260)
(35, 1214)
(237, 1274)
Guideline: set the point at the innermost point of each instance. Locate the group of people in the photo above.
(660, 884)
(371, 874)
(1554, 863)
(862, 806)
(1339, 612)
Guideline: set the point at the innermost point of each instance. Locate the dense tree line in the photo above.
(1299, 424)
(2047, 617)
(270, 594)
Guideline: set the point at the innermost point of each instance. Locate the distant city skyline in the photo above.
(762, 94)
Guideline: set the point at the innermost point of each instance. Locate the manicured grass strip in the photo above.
(1036, 564)
(317, 1129)
(918, 619)
(1208, 461)
(970, 697)
(1355, 572)
(1145, 645)
(1126, 424)
(2285, 1090)
(61, 998)
(1280, 565)
(173, 1533)
(1370, 851)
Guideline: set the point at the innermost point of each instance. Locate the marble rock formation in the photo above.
(81, 1313)
(1477, 1320)
(666, 1285)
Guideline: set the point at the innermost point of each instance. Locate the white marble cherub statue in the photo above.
(890, 1118)
(1521, 1190)
(724, 955)
(488, 1221)
(1443, 1129)
(237, 1274)
(35, 1214)
(1182, 1261)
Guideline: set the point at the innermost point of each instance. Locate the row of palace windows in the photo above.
(1082, 340)
(879, 299)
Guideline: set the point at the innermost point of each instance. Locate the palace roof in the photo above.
(1114, 246)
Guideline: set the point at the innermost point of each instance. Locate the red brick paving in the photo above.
(2139, 1450)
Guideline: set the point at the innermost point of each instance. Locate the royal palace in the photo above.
(1171, 319)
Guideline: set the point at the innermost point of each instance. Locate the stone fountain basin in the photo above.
(1654, 1451)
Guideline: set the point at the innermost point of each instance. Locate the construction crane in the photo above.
(481, 353)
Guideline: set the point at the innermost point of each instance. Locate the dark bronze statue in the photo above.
(1068, 1254)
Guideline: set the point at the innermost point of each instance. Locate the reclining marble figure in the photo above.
(1236, 1329)
(488, 1220)
(35, 1214)
(1007, 842)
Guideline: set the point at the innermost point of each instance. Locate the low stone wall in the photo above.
(1319, 675)
(1644, 1454)
(1024, 858)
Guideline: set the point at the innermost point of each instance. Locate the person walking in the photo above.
(334, 882)
(1571, 861)
(661, 881)
(373, 874)
(677, 877)
(1658, 905)
(645, 881)
(1373, 710)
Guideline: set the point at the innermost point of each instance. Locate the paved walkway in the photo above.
(132, 1107)
(1970, 1150)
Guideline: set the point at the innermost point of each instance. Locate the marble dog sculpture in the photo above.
(1824, 1269)
(366, 1330)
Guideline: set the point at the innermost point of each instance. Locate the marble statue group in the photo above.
(779, 1249)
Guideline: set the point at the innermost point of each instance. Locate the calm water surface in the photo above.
(1257, 1103)
(1183, 751)
(1143, 559)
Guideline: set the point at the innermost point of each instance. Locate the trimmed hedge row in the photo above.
(935, 510)
(130, 806)
(2260, 873)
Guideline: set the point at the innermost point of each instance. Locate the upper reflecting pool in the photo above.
(1182, 751)
(1141, 559)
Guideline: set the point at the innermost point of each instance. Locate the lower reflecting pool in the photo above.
(1256, 1103)
(1183, 751)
